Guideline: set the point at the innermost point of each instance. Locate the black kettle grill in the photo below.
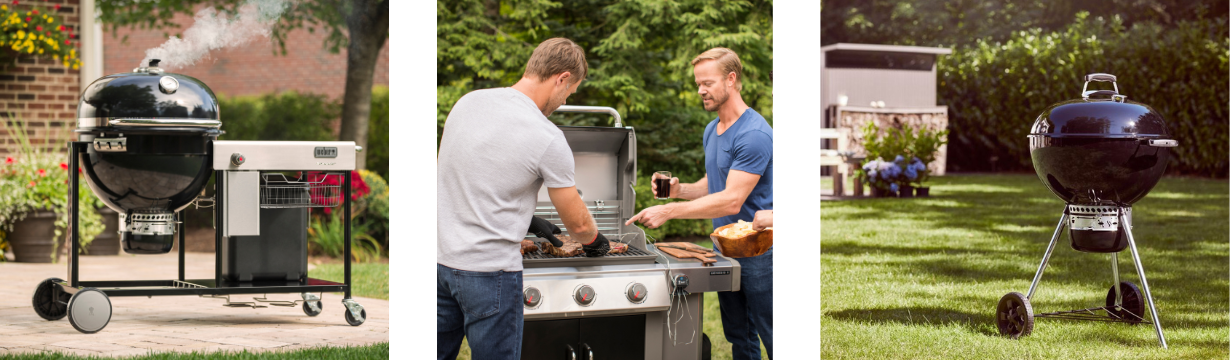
(1099, 154)
(150, 155)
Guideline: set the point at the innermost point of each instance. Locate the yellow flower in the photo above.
(40, 51)
(4, 7)
(51, 20)
(75, 66)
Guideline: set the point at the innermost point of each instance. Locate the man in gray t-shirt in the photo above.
(498, 149)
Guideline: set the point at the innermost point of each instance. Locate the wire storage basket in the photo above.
(314, 191)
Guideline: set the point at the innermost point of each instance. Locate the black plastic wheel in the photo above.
(1014, 315)
(308, 309)
(352, 321)
(89, 310)
(1133, 307)
(49, 302)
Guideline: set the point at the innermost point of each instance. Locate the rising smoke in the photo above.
(212, 30)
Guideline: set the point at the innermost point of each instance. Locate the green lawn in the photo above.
(920, 278)
(375, 351)
(712, 327)
(371, 280)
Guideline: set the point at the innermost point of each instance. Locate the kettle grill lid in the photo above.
(147, 95)
(1100, 114)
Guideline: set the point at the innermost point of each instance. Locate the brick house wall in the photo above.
(251, 69)
(42, 91)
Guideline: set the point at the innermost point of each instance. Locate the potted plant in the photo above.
(34, 199)
(924, 147)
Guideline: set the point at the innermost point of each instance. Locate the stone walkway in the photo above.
(140, 325)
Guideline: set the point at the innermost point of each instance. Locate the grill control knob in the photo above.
(237, 159)
(584, 295)
(533, 297)
(637, 293)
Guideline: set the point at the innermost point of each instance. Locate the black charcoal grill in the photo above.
(1099, 154)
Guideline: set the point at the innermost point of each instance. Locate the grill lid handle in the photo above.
(1101, 77)
(592, 110)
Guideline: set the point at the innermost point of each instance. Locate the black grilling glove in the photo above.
(599, 247)
(544, 229)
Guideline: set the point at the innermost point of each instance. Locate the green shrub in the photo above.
(282, 116)
(378, 133)
(325, 237)
(995, 90)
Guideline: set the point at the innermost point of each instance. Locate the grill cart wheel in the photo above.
(49, 302)
(354, 322)
(89, 310)
(1014, 315)
(1133, 307)
(320, 306)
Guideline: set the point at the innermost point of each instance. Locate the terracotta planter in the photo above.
(108, 242)
(33, 238)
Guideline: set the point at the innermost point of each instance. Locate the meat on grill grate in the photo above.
(571, 248)
(528, 246)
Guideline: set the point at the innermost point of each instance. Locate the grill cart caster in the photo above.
(355, 315)
(312, 305)
(1015, 316)
(49, 302)
(706, 348)
(1132, 308)
(89, 310)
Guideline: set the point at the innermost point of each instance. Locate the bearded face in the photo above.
(711, 84)
(716, 98)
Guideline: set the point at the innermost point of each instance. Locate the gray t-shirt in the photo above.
(497, 151)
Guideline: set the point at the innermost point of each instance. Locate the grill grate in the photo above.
(539, 255)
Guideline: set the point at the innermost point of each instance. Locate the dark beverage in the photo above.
(664, 188)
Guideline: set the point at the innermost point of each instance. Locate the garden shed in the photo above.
(888, 85)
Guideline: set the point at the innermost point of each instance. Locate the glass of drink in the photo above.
(662, 180)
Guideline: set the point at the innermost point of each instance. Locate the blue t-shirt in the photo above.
(746, 146)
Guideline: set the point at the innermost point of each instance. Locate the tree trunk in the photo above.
(368, 24)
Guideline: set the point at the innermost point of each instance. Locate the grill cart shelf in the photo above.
(87, 305)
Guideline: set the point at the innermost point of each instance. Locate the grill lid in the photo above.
(148, 97)
(1100, 114)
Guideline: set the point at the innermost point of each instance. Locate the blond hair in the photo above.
(728, 62)
(555, 56)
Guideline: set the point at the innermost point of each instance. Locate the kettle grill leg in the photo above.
(1114, 268)
(1063, 221)
(1157, 323)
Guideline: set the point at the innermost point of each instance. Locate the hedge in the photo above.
(995, 90)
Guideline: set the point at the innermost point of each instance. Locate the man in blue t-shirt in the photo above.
(738, 182)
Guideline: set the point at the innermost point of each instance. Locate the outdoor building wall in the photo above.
(856, 120)
(251, 69)
(896, 88)
(41, 91)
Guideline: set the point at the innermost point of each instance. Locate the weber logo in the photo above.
(326, 152)
(712, 273)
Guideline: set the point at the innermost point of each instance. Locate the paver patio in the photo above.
(140, 325)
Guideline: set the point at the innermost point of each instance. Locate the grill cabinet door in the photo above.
(550, 339)
(616, 337)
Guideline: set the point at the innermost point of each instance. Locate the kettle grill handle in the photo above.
(1163, 143)
(589, 351)
(592, 110)
(1099, 77)
(1103, 77)
(166, 122)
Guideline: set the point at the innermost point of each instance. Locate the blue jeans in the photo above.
(482, 306)
(747, 314)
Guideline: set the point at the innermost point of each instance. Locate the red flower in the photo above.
(38, 28)
(57, 6)
(14, 2)
(64, 166)
(42, 172)
(31, 184)
(68, 42)
(61, 28)
(8, 160)
(35, 11)
(27, 19)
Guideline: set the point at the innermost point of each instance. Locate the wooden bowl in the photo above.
(754, 244)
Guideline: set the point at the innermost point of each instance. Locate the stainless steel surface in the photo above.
(1163, 143)
(119, 144)
(1098, 77)
(1140, 271)
(161, 223)
(168, 84)
(90, 310)
(561, 297)
(284, 155)
(1114, 269)
(164, 122)
(1093, 218)
(242, 204)
(1050, 248)
(592, 110)
(278, 191)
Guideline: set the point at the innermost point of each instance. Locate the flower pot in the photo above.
(906, 191)
(923, 191)
(33, 238)
(108, 242)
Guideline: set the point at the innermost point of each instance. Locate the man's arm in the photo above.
(573, 213)
(739, 185)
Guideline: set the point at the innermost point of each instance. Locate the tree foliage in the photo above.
(639, 54)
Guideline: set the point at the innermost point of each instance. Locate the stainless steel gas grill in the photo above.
(641, 304)
(147, 146)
